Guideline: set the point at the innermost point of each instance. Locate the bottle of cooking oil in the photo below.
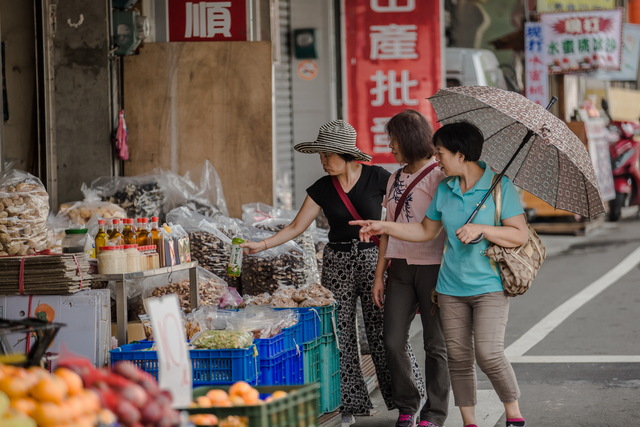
(101, 237)
(115, 236)
(128, 233)
(157, 238)
(143, 236)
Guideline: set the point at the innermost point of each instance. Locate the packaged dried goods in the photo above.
(24, 208)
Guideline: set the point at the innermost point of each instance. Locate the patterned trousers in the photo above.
(349, 275)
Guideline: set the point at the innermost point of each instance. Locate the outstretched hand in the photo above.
(368, 228)
(252, 247)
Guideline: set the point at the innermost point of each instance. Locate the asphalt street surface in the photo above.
(573, 339)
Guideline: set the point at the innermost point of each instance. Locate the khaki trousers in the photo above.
(474, 329)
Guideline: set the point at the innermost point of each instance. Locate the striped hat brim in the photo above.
(321, 147)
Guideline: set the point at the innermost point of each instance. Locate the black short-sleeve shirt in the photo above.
(366, 196)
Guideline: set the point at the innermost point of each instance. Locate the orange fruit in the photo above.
(73, 380)
(49, 414)
(217, 395)
(251, 396)
(237, 400)
(278, 394)
(204, 419)
(239, 388)
(50, 389)
(14, 386)
(25, 405)
(203, 402)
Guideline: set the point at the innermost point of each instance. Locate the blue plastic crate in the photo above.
(209, 367)
(293, 338)
(272, 370)
(309, 321)
(294, 367)
(271, 347)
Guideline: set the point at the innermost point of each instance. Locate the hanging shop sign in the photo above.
(536, 75)
(393, 61)
(582, 41)
(191, 20)
(630, 56)
(564, 5)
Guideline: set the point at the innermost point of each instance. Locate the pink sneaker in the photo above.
(427, 424)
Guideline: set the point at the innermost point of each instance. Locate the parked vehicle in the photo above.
(625, 165)
(473, 67)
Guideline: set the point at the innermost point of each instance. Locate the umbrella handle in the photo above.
(477, 239)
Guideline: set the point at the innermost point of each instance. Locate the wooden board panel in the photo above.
(187, 102)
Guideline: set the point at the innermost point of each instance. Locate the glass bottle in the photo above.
(115, 236)
(157, 239)
(128, 233)
(101, 236)
(143, 235)
(74, 240)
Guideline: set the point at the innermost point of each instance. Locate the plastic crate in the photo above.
(329, 374)
(272, 370)
(311, 356)
(293, 337)
(208, 367)
(272, 347)
(309, 324)
(325, 318)
(299, 408)
(294, 367)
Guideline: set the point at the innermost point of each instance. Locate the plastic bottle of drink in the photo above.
(143, 235)
(128, 233)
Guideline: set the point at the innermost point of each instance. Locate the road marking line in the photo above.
(575, 359)
(488, 410)
(539, 331)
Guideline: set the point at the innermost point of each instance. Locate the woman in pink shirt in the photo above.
(412, 272)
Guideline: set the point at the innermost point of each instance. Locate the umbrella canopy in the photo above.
(553, 165)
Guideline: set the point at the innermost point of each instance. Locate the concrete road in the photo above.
(573, 339)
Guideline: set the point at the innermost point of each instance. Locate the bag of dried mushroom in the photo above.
(24, 208)
(304, 240)
(210, 240)
(211, 289)
(312, 295)
(266, 270)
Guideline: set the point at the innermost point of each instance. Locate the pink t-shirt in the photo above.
(414, 209)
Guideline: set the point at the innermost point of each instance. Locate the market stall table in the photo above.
(119, 281)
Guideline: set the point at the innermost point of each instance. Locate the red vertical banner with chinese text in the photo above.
(393, 61)
(193, 20)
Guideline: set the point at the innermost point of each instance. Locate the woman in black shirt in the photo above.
(348, 265)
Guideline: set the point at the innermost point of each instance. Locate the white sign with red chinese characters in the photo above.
(536, 75)
(393, 52)
(174, 363)
(582, 41)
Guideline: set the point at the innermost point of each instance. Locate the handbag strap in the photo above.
(497, 199)
(352, 210)
(410, 187)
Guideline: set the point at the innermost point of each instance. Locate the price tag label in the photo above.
(174, 363)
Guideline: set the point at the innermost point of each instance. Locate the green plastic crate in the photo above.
(299, 408)
(311, 352)
(329, 373)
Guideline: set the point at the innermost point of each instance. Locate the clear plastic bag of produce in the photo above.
(266, 270)
(139, 196)
(209, 239)
(206, 198)
(304, 240)
(221, 339)
(24, 210)
(255, 212)
(81, 212)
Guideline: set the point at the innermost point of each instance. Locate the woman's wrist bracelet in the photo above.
(265, 244)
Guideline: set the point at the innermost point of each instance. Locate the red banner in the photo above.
(393, 51)
(193, 20)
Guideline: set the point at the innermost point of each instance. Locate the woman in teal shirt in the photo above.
(473, 306)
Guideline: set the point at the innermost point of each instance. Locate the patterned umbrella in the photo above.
(528, 143)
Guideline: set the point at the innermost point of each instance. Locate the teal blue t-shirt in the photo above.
(465, 270)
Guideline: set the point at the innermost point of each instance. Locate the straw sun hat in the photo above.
(336, 136)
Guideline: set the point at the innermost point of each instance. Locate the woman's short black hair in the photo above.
(461, 137)
(412, 134)
(347, 157)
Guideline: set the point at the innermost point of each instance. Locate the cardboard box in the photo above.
(135, 332)
(86, 314)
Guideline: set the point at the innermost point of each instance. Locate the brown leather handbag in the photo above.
(519, 265)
